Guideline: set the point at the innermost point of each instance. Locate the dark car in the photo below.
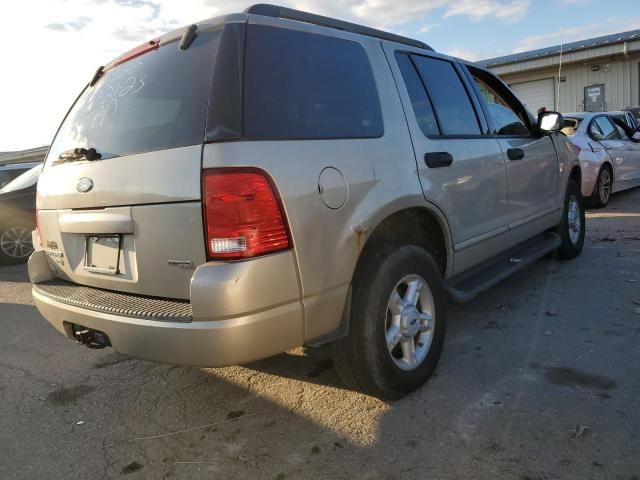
(10, 171)
(635, 111)
(626, 120)
(17, 216)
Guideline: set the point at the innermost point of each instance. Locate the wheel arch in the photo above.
(576, 174)
(399, 228)
(388, 227)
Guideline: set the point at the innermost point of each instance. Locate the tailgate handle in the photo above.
(95, 222)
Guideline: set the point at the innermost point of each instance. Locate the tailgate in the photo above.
(119, 198)
(138, 229)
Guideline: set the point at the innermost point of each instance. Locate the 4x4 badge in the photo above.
(84, 185)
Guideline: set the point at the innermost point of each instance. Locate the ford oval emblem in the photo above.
(84, 185)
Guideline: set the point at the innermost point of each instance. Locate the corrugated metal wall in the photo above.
(620, 77)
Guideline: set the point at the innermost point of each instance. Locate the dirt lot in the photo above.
(540, 378)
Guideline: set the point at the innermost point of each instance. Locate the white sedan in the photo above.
(609, 153)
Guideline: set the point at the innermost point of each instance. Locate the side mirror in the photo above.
(636, 136)
(549, 122)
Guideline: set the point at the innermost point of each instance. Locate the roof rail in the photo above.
(275, 11)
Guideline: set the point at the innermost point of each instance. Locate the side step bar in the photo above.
(466, 286)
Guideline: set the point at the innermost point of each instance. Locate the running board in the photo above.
(464, 287)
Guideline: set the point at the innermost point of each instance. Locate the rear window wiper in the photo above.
(75, 154)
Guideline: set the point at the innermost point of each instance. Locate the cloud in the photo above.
(479, 9)
(69, 26)
(137, 34)
(77, 36)
(464, 54)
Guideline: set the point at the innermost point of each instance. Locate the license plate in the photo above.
(102, 254)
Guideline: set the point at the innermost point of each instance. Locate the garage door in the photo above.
(536, 94)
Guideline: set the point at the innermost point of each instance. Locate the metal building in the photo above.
(599, 74)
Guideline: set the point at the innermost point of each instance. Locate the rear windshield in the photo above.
(153, 102)
(570, 126)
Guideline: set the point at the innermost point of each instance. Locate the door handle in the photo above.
(515, 154)
(438, 159)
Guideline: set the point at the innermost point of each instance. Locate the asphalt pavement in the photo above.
(539, 379)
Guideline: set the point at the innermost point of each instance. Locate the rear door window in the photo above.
(300, 85)
(153, 102)
(451, 102)
(418, 95)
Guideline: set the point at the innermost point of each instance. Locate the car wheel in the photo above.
(572, 227)
(397, 327)
(15, 242)
(602, 190)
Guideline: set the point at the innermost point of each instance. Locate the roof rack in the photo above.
(275, 11)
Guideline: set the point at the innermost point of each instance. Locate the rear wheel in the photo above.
(15, 242)
(572, 227)
(602, 190)
(397, 323)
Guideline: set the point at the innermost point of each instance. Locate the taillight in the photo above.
(577, 149)
(38, 219)
(243, 214)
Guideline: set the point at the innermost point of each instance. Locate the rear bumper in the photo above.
(204, 344)
(216, 336)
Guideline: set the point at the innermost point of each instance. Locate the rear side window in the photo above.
(451, 102)
(300, 85)
(601, 128)
(153, 102)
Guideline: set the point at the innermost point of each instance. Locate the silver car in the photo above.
(272, 179)
(609, 151)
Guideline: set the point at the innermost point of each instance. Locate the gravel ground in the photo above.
(539, 379)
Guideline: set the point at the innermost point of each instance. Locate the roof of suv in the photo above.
(275, 11)
(264, 10)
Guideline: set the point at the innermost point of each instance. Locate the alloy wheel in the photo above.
(410, 322)
(604, 186)
(16, 242)
(574, 220)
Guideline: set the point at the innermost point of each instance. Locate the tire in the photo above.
(15, 241)
(572, 226)
(602, 189)
(362, 359)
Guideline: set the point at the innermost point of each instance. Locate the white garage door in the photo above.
(536, 94)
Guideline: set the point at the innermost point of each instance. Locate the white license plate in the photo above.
(102, 254)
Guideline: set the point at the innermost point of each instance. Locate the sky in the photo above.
(49, 49)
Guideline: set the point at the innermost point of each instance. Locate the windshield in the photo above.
(153, 102)
(27, 179)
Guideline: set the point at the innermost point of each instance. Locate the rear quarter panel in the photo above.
(380, 176)
(567, 161)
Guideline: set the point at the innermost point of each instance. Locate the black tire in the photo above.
(362, 359)
(602, 189)
(9, 230)
(571, 248)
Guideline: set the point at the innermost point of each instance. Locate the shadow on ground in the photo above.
(539, 379)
